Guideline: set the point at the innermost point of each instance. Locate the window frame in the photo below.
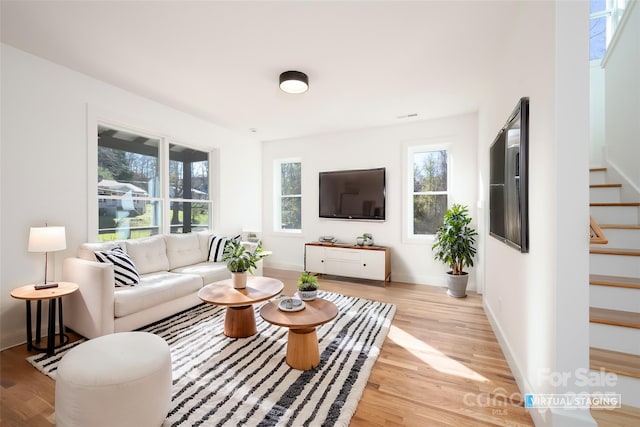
(410, 150)
(169, 199)
(613, 12)
(277, 196)
(94, 121)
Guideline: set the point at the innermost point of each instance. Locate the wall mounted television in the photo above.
(353, 194)
(509, 180)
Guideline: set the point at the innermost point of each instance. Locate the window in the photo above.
(428, 183)
(133, 190)
(288, 195)
(604, 19)
(188, 189)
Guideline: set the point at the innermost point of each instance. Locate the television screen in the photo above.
(508, 188)
(353, 194)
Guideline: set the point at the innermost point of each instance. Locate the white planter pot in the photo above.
(457, 284)
(307, 295)
(239, 280)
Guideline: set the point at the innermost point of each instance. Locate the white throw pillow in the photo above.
(124, 270)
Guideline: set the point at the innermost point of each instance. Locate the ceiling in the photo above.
(370, 63)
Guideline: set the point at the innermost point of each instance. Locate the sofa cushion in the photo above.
(183, 249)
(154, 289)
(203, 239)
(88, 250)
(209, 271)
(149, 254)
(124, 270)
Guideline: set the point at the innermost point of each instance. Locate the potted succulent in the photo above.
(240, 260)
(307, 286)
(454, 245)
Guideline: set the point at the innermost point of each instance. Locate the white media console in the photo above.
(363, 262)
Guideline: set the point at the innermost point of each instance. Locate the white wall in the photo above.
(371, 148)
(538, 302)
(46, 109)
(622, 94)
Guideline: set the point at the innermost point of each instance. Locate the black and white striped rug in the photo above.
(220, 381)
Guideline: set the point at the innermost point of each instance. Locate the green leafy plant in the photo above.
(454, 242)
(239, 259)
(307, 282)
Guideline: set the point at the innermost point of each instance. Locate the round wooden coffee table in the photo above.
(239, 321)
(302, 342)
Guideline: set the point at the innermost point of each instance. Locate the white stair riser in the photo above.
(615, 338)
(614, 265)
(627, 238)
(596, 178)
(614, 298)
(627, 387)
(604, 195)
(627, 215)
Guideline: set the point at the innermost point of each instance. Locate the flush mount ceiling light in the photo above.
(294, 82)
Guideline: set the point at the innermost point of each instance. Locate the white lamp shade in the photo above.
(47, 239)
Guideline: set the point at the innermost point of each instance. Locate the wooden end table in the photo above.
(302, 342)
(239, 321)
(54, 295)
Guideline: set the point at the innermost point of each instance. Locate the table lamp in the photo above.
(46, 239)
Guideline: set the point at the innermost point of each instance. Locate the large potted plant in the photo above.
(241, 260)
(454, 245)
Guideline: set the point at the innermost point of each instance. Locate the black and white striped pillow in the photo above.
(217, 245)
(124, 270)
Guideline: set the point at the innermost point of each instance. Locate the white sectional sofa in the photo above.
(172, 268)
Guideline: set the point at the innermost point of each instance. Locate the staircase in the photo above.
(614, 290)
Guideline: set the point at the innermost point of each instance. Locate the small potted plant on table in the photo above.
(240, 260)
(307, 286)
(454, 246)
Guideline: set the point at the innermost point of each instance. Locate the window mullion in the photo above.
(164, 186)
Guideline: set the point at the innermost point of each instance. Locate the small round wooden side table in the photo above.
(302, 341)
(239, 321)
(54, 295)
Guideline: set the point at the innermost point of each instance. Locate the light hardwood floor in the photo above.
(439, 366)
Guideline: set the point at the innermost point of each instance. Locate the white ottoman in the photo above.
(121, 379)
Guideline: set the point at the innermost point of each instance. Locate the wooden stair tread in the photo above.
(617, 281)
(606, 316)
(605, 186)
(627, 204)
(614, 361)
(625, 416)
(620, 226)
(614, 251)
(597, 169)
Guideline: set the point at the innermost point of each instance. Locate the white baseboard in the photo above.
(541, 417)
(281, 266)
(15, 338)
